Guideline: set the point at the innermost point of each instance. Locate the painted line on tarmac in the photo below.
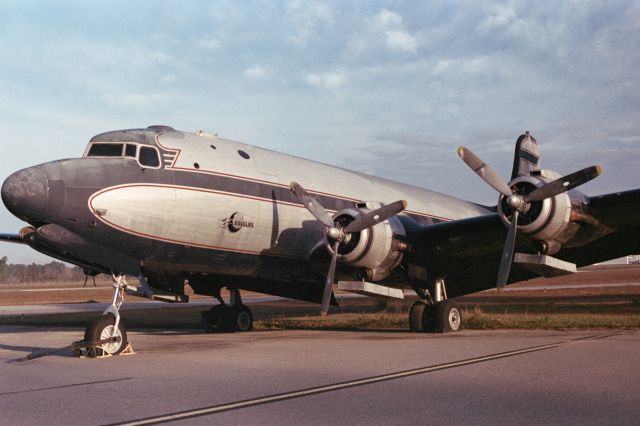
(204, 411)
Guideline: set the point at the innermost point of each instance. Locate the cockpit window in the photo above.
(130, 150)
(148, 157)
(105, 150)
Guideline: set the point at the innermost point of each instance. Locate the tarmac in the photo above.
(325, 377)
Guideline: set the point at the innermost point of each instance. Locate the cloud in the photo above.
(401, 40)
(139, 101)
(388, 19)
(168, 79)
(308, 19)
(419, 78)
(255, 71)
(385, 30)
(209, 43)
(330, 80)
(503, 15)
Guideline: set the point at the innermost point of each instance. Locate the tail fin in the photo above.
(527, 156)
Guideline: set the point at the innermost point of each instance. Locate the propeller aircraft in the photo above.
(176, 208)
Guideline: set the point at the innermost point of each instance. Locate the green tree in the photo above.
(3, 268)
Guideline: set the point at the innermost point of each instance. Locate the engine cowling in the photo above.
(548, 221)
(375, 251)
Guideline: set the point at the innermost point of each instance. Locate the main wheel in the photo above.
(415, 317)
(421, 317)
(103, 328)
(244, 319)
(448, 316)
(211, 319)
(236, 318)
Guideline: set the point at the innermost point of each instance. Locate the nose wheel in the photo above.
(104, 328)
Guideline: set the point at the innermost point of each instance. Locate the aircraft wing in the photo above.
(11, 238)
(467, 252)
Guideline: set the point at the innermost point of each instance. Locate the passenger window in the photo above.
(105, 150)
(130, 151)
(149, 157)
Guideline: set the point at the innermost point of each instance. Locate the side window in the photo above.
(130, 150)
(105, 150)
(149, 157)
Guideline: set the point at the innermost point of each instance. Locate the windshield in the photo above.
(146, 156)
(105, 150)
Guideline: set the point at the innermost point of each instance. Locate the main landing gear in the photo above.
(107, 331)
(435, 314)
(228, 318)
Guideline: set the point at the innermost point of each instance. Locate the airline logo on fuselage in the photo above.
(235, 222)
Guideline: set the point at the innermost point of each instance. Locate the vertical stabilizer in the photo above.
(526, 157)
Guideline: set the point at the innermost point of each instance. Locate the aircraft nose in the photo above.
(24, 193)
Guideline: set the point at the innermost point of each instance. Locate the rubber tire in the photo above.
(237, 318)
(243, 318)
(226, 320)
(211, 318)
(94, 330)
(421, 318)
(415, 317)
(448, 317)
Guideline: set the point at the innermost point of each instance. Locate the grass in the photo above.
(579, 309)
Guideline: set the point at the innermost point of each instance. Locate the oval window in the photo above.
(243, 154)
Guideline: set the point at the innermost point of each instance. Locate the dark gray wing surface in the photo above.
(11, 238)
(467, 252)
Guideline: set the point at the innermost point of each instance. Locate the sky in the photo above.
(390, 88)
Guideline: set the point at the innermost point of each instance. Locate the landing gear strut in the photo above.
(435, 314)
(108, 326)
(228, 318)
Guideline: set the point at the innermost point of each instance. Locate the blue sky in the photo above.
(390, 88)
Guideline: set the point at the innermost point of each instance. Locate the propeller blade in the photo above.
(564, 184)
(328, 285)
(312, 204)
(374, 217)
(485, 172)
(507, 252)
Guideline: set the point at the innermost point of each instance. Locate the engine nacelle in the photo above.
(376, 251)
(549, 220)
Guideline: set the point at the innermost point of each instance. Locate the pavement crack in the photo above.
(72, 385)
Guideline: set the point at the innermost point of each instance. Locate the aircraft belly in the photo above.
(202, 218)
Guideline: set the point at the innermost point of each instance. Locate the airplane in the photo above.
(176, 208)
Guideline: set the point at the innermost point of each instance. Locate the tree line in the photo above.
(35, 272)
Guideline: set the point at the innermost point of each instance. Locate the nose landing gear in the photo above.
(107, 329)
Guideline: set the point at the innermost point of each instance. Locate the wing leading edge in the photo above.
(11, 238)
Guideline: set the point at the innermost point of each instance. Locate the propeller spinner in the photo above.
(338, 233)
(520, 203)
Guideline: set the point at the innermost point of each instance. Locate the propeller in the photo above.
(520, 203)
(339, 234)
